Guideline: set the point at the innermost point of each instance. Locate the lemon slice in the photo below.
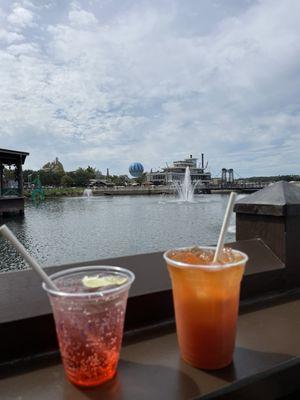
(109, 280)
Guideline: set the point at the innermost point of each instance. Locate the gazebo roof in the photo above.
(12, 156)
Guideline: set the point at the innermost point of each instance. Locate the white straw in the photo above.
(224, 228)
(7, 233)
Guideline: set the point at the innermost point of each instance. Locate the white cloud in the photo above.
(10, 37)
(82, 19)
(23, 48)
(153, 82)
(20, 17)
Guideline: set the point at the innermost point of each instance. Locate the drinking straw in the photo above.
(229, 209)
(7, 233)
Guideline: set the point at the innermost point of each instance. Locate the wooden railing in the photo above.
(6, 192)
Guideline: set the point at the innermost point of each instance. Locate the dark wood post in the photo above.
(273, 215)
(1, 178)
(20, 177)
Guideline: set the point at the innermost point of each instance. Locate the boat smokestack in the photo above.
(191, 156)
(202, 160)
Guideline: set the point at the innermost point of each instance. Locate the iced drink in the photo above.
(89, 309)
(206, 301)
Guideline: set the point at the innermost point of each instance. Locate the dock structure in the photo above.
(11, 181)
(211, 188)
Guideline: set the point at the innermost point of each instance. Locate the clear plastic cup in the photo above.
(89, 322)
(206, 301)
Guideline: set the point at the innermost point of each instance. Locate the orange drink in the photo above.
(206, 301)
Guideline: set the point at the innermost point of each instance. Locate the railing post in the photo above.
(20, 177)
(273, 215)
(1, 178)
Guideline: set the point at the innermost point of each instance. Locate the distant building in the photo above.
(100, 182)
(54, 166)
(176, 172)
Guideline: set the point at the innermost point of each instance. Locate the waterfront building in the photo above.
(11, 181)
(176, 172)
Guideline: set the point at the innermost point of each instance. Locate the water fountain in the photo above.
(185, 189)
(87, 192)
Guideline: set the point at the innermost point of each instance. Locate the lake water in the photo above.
(67, 230)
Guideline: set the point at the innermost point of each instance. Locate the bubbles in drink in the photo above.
(90, 328)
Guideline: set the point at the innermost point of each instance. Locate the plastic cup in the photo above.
(89, 323)
(206, 301)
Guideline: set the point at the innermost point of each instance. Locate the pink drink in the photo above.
(89, 323)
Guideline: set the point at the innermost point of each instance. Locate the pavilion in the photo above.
(11, 181)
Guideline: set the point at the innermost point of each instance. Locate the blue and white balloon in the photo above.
(136, 169)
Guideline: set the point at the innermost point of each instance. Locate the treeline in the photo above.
(276, 178)
(78, 178)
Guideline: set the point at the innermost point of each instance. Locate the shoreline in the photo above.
(137, 191)
(58, 192)
(75, 192)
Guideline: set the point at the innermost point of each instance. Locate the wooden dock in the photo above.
(11, 205)
(248, 187)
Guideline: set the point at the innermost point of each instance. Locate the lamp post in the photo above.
(29, 180)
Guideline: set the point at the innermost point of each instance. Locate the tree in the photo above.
(9, 173)
(50, 178)
(66, 181)
(28, 177)
(120, 180)
(141, 179)
(91, 171)
(82, 176)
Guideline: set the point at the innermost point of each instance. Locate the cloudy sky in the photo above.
(107, 82)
